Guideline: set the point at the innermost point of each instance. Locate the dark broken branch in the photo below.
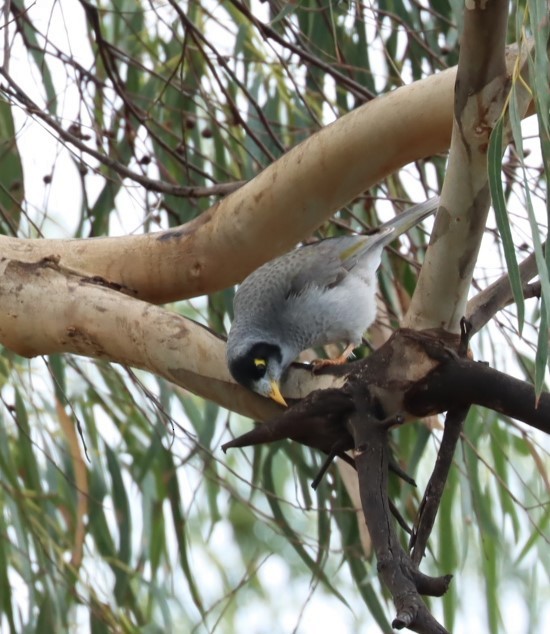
(318, 421)
(454, 423)
(463, 382)
(400, 576)
(431, 500)
(417, 374)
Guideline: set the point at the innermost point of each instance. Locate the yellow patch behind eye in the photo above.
(260, 363)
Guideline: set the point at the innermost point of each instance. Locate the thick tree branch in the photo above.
(481, 89)
(285, 202)
(88, 316)
(463, 382)
(439, 379)
(396, 569)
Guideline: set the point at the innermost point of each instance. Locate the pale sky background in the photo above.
(53, 206)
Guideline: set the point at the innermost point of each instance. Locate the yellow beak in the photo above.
(276, 395)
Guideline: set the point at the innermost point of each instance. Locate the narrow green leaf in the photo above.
(541, 357)
(12, 184)
(37, 52)
(500, 449)
(482, 503)
(421, 437)
(491, 578)
(97, 623)
(98, 524)
(536, 535)
(28, 465)
(494, 161)
(122, 506)
(292, 537)
(6, 594)
(57, 368)
(46, 621)
(542, 260)
(449, 554)
(122, 151)
(174, 498)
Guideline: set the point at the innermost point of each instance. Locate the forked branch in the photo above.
(380, 391)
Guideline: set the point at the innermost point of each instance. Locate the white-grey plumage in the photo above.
(317, 294)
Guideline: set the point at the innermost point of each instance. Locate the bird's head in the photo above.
(259, 367)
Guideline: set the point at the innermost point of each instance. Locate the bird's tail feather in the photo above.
(407, 220)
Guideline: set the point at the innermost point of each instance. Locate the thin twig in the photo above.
(486, 304)
(220, 189)
(431, 500)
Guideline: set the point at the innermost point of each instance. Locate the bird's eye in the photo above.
(253, 364)
(261, 367)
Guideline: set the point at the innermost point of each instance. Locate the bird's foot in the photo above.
(318, 364)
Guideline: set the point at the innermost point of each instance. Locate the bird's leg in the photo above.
(323, 363)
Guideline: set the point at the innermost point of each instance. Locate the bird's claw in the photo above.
(319, 364)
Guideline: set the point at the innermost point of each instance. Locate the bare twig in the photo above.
(432, 495)
(270, 33)
(18, 94)
(486, 304)
(431, 500)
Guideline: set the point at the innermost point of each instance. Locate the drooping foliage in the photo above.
(118, 510)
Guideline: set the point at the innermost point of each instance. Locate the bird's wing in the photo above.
(325, 264)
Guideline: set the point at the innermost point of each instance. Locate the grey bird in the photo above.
(314, 295)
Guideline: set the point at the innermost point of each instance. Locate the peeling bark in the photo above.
(286, 201)
(482, 86)
(294, 195)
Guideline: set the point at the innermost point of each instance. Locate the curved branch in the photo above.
(87, 316)
(284, 203)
